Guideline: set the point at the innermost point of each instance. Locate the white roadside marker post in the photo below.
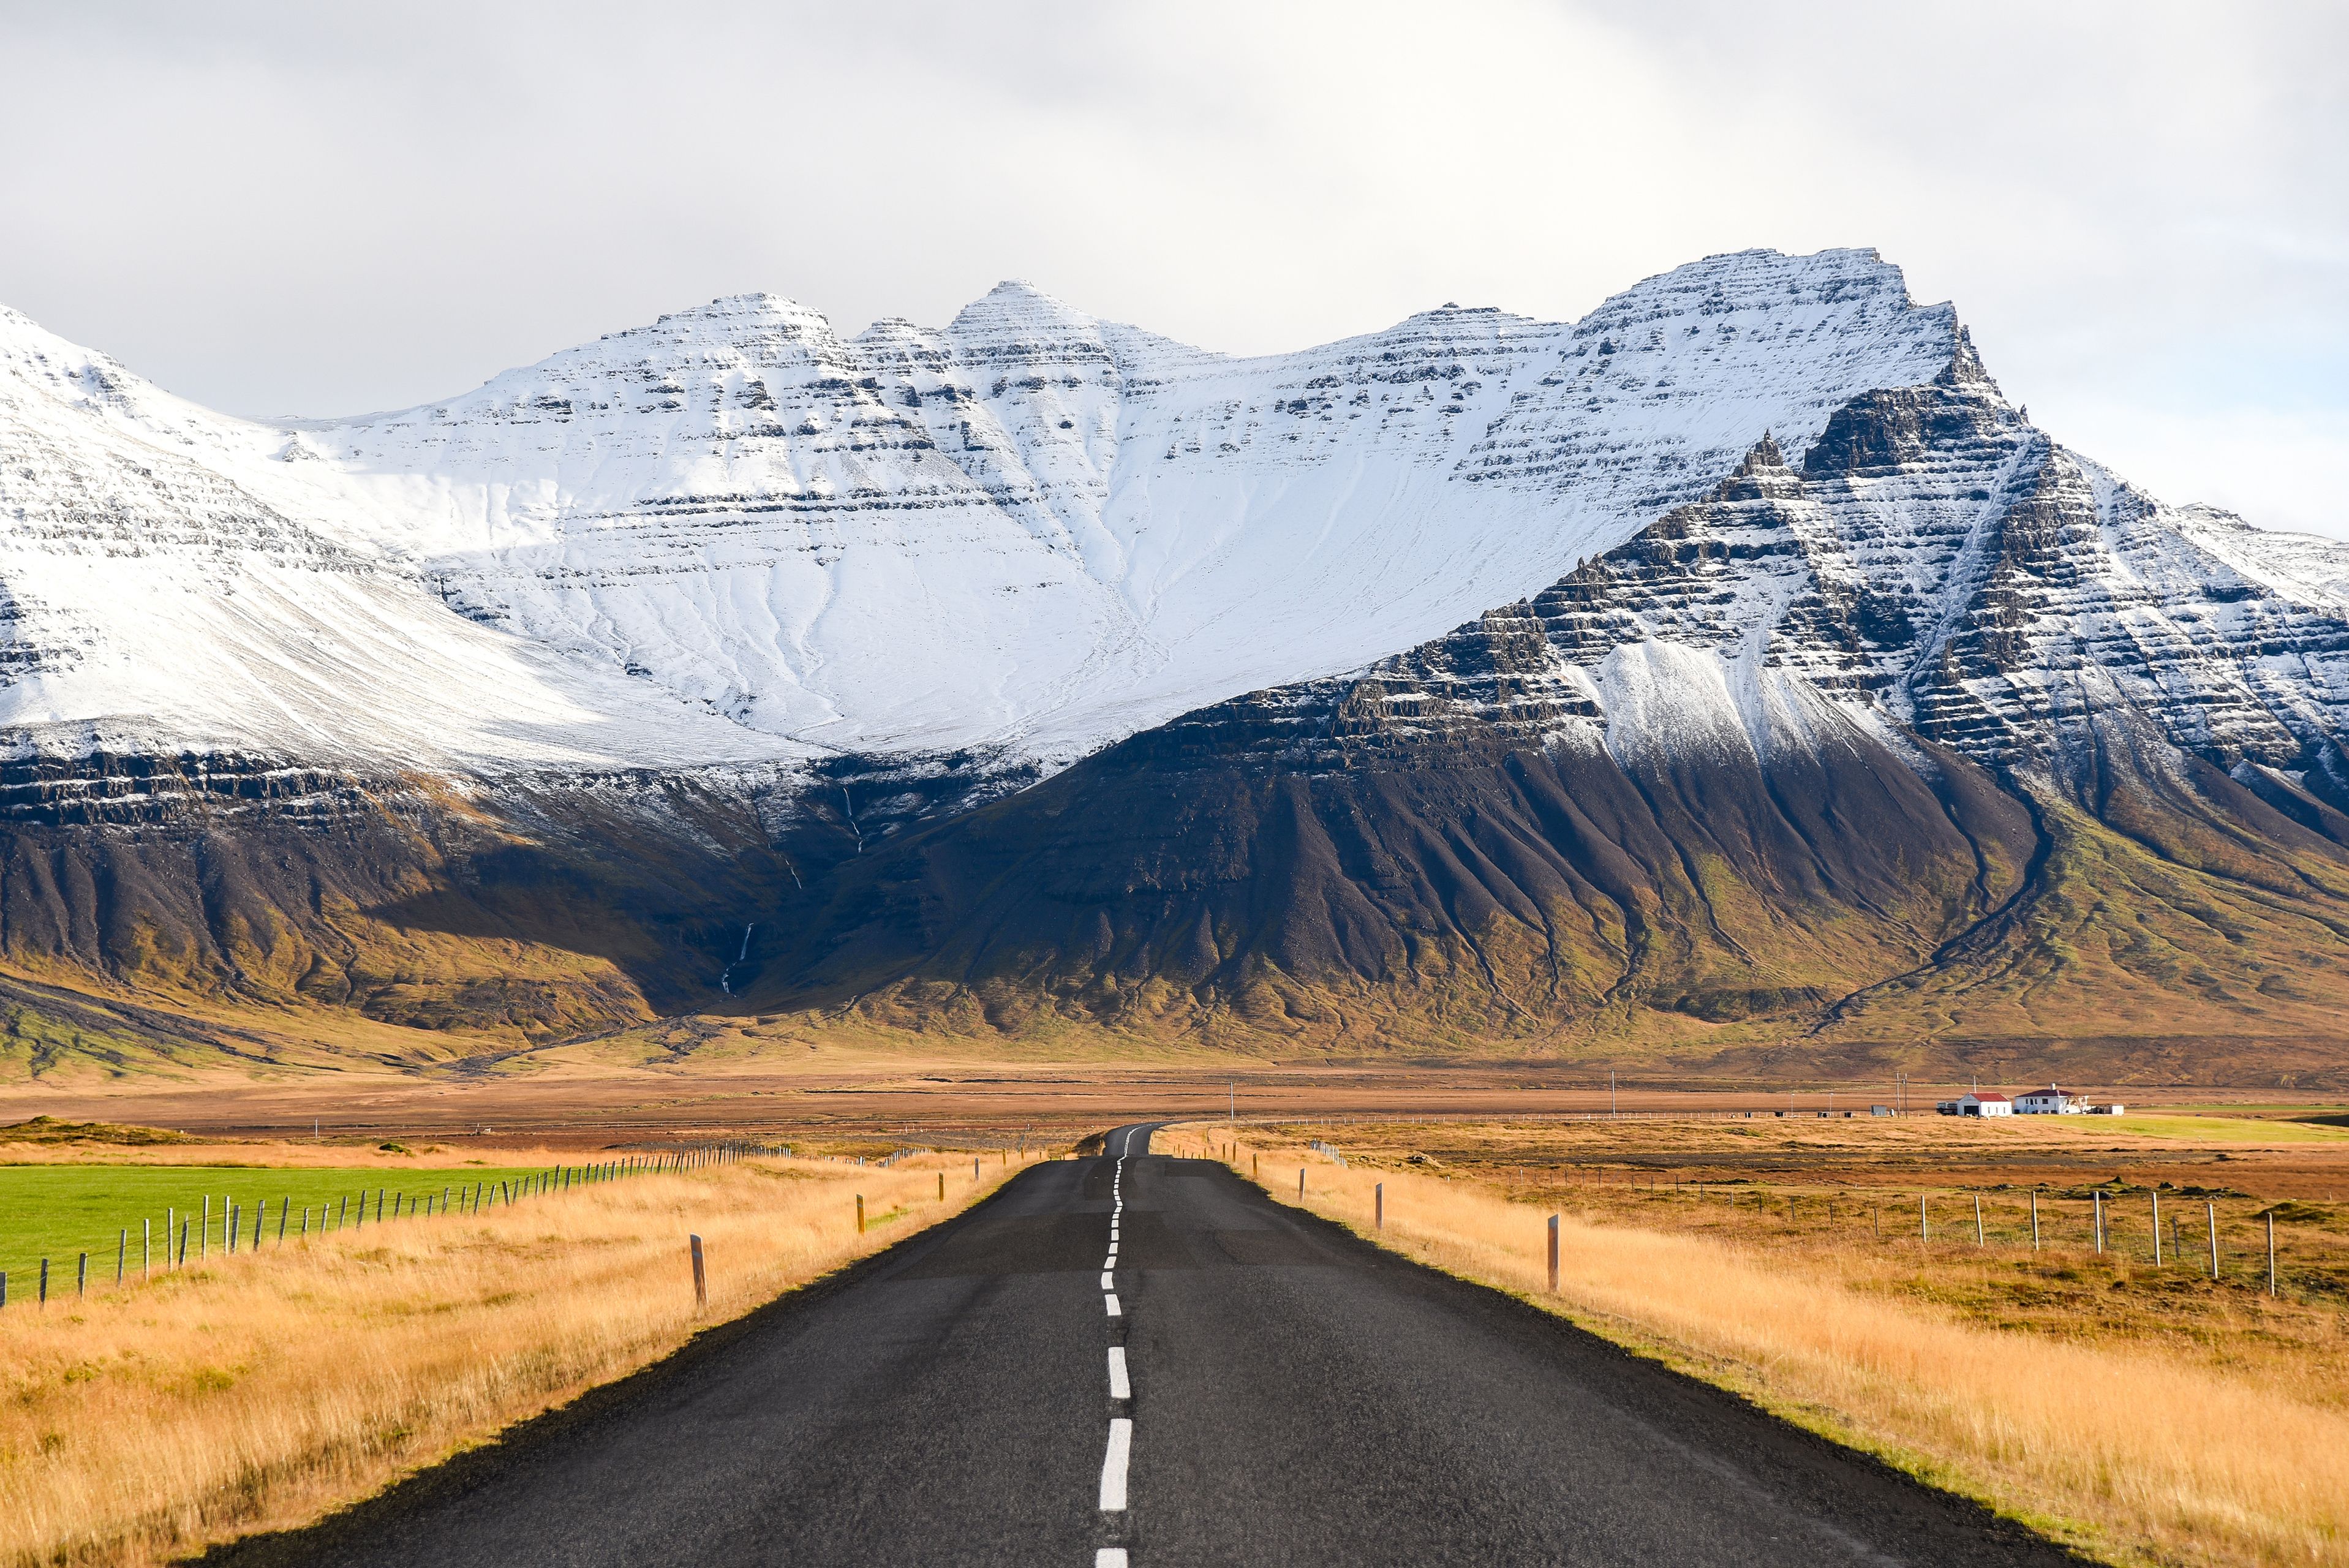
(2212, 1210)
(1977, 1224)
(2035, 1220)
(2157, 1228)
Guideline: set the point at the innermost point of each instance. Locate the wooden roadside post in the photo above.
(81, 1276)
(860, 1214)
(122, 1255)
(1378, 1207)
(1553, 1254)
(146, 1249)
(1301, 1183)
(700, 1278)
(1924, 1225)
(942, 1186)
(44, 1282)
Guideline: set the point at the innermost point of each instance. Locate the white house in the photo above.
(2049, 1101)
(1985, 1105)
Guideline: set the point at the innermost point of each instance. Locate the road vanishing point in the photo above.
(1134, 1360)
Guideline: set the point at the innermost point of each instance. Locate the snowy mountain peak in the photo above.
(1027, 532)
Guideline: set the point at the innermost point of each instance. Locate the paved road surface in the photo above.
(1146, 1356)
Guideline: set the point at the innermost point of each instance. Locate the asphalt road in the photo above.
(1237, 1383)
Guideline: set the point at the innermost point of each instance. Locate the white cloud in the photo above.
(316, 208)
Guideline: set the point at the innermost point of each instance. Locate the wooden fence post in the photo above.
(700, 1279)
(942, 1186)
(1301, 1183)
(1378, 1206)
(1553, 1254)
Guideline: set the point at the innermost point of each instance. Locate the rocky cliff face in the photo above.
(1939, 728)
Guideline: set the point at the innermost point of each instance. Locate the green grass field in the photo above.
(59, 1212)
(2199, 1128)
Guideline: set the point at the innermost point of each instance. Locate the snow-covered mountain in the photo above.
(1738, 652)
(733, 536)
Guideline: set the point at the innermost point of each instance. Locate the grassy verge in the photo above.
(2132, 1448)
(260, 1390)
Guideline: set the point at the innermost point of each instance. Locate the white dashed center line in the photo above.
(1121, 1430)
(1120, 1446)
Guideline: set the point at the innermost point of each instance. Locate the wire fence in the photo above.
(235, 1226)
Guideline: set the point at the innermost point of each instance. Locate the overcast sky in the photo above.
(2141, 210)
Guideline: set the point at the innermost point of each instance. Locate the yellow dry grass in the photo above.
(262, 1390)
(2131, 1454)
